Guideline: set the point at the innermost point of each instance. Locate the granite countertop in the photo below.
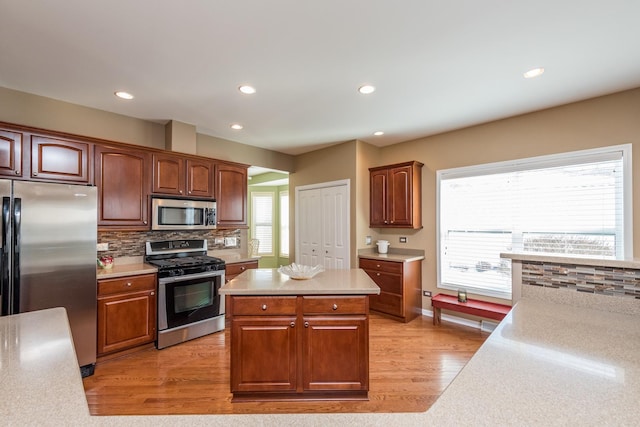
(545, 364)
(393, 254)
(123, 270)
(268, 281)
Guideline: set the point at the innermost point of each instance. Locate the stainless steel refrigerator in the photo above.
(48, 256)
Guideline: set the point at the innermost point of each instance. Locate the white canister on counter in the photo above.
(383, 246)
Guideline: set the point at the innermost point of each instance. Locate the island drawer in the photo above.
(233, 269)
(377, 265)
(145, 282)
(263, 306)
(334, 305)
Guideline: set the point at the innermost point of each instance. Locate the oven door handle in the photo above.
(206, 274)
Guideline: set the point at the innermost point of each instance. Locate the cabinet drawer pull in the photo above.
(243, 268)
(377, 274)
(264, 307)
(377, 265)
(306, 324)
(128, 284)
(335, 306)
(292, 324)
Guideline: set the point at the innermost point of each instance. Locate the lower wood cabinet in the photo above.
(299, 347)
(232, 270)
(126, 313)
(400, 287)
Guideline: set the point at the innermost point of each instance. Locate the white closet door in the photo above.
(310, 225)
(322, 226)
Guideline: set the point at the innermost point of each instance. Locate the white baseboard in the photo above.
(455, 319)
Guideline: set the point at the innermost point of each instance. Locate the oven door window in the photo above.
(192, 300)
(180, 216)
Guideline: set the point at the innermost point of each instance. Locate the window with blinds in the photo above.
(573, 204)
(262, 221)
(284, 224)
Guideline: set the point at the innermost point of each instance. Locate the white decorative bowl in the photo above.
(299, 271)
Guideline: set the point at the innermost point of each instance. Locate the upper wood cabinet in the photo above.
(122, 178)
(231, 195)
(60, 160)
(180, 176)
(396, 196)
(10, 153)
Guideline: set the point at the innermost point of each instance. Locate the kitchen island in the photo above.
(546, 364)
(299, 339)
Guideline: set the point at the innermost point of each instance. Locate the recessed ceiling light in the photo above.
(378, 133)
(249, 90)
(123, 95)
(534, 72)
(236, 126)
(366, 89)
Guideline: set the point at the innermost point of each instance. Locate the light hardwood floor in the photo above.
(410, 365)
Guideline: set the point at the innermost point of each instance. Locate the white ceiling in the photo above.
(437, 65)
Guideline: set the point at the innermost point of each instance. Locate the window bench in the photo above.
(489, 310)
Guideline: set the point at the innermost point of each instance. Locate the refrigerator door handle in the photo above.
(4, 257)
(17, 214)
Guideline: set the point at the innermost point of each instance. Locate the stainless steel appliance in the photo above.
(182, 214)
(48, 256)
(189, 301)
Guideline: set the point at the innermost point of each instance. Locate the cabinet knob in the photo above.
(17, 172)
(292, 324)
(128, 284)
(144, 222)
(264, 307)
(377, 265)
(335, 306)
(152, 293)
(180, 191)
(377, 274)
(243, 268)
(35, 174)
(306, 324)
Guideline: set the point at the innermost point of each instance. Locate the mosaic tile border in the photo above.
(132, 243)
(610, 281)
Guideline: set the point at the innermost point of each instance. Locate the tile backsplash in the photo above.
(132, 243)
(610, 281)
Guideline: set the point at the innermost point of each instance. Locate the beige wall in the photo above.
(46, 113)
(334, 163)
(599, 122)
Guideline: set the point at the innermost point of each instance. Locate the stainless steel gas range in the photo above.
(189, 301)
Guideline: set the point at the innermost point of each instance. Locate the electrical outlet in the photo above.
(230, 241)
(403, 239)
(367, 240)
(426, 293)
(102, 247)
(218, 241)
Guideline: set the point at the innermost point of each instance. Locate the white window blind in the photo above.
(262, 221)
(571, 204)
(284, 223)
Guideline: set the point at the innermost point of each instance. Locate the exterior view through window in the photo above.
(571, 204)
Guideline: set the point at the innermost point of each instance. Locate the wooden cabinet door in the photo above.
(378, 197)
(122, 178)
(200, 175)
(263, 354)
(168, 174)
(400, 196)
(335, 353)
(60, 160)
(10, 153)
(231, 195)
(126, 321)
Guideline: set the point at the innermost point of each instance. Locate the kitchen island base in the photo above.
(304, 346)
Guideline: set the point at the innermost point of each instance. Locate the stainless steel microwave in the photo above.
(182, 214)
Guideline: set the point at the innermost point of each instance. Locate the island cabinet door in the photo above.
(335, 353)
(263, 354)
